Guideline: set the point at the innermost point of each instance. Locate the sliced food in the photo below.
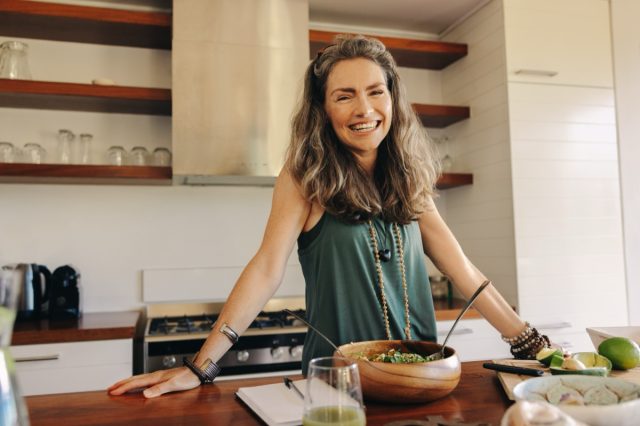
(545, 355)
(600, 395)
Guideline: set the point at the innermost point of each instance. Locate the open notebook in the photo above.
(276, 404)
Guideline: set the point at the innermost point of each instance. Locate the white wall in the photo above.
(481, 215)
(626, 64)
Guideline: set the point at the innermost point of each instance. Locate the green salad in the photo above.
(395, 356)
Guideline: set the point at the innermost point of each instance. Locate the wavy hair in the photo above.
(328, 173)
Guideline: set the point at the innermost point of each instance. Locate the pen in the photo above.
(512, 369)
(289, 383)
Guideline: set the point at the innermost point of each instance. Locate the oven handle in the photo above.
(35, 358)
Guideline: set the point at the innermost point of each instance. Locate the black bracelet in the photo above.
(206, 375)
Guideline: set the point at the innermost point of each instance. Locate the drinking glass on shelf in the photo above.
(116, 155)
(161, 157)
(333, 395)
(139, 156)
(33, 153)
(13, 60)
(84, 148)
(7, 152)
(65, 146)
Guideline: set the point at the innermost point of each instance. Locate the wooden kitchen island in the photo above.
(478, 398)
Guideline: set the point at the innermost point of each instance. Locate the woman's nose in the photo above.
(363, 106)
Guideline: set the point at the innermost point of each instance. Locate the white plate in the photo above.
(621, 414)
(598, 334)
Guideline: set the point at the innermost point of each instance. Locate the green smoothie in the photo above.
(335, 416)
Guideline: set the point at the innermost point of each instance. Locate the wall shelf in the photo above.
(433, 55)
(454, 180)
(84, 97)
(84, 174)
(440, 116)
(84, 24)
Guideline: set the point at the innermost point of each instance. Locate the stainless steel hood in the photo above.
(237, 72)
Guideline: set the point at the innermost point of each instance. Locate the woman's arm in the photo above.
(444, 250)
(257, 283)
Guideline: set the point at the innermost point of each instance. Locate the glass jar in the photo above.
(116, 155)
(65, 146)
(7, 152)
(161, 157)
(139, 156)
(84, 148)
(13, 60)
(33, 153)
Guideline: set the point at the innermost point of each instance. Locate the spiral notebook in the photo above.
(275, 404)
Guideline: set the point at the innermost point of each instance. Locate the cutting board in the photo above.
(509, 381)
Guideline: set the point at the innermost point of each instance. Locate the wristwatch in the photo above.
(207, 372)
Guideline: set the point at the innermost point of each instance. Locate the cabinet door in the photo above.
(571, 38)
(474, 340)
(72, 367)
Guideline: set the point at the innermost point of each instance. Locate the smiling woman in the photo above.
(356, 196)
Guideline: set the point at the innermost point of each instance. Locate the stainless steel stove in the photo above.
(273, 342)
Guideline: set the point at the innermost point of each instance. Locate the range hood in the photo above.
(237, 72)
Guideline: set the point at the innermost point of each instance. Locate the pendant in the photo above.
(385, 255)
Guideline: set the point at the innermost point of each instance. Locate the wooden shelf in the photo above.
(83, 24)
(84, 97)
(84, 174)
(440, 116)
(433, 55)
(453, 180)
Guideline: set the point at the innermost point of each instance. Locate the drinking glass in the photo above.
(7, 152)
(13, 60)
(333, 395)
(161, 157)
(138, 156)
(84, 148)
(33, 153)
(116, 155)
(65, 146)
(12, 408)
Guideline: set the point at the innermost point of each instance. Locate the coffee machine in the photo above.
(64, 293)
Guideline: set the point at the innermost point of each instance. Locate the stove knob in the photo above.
(243, 356)
(277, 352)
(168, 361)
(296, 351)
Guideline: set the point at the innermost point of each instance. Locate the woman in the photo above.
(356, 194)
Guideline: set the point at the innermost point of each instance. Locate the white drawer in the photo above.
(474, 340)
(72, 367)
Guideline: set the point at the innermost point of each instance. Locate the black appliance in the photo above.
(64, 294)
(34, 288)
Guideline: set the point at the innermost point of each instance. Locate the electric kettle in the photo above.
(33, 284)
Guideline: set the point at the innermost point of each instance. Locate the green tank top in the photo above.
(342, 289)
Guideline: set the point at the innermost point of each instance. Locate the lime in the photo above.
(595, 371)
(592, 359)
(546, 354)
(556, 361)
(623, 353)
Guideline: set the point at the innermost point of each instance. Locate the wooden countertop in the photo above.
(448, 310)
(91, 326)
(478, 398)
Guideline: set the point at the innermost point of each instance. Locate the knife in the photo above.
(512, 369)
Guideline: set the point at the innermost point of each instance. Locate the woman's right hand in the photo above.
(157, 383)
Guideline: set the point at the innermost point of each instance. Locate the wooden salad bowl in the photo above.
(407, 382)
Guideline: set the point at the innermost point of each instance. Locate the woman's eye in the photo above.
(377, 92)
(342, 98)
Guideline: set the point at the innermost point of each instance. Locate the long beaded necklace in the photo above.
(376, 255)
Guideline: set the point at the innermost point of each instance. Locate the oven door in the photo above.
(252, 354)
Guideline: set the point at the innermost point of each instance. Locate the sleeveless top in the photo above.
(342, 289)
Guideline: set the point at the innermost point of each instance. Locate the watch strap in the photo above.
(206, 373)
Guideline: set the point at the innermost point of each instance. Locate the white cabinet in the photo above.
(570, 38)
(72, 367)
(474, 340)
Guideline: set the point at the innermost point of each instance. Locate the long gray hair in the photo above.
(328, 173)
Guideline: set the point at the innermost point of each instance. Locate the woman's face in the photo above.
(358, 104)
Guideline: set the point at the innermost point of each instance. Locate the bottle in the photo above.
(13, 61)
(84, 148)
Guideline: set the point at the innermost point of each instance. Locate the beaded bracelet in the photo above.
(528, 343)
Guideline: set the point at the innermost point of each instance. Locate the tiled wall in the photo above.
(481, 215)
